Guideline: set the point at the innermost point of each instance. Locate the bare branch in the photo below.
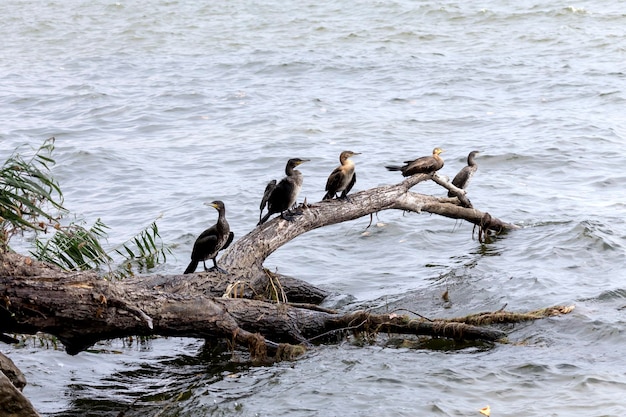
(252, 249)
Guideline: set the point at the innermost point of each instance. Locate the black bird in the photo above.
(423, 165)
(211, 241)
(462, 179)
(342, 178)
(282, 197)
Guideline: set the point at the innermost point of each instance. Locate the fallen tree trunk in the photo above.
(249, 306)
(80, 308)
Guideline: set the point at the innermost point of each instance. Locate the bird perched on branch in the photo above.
(342, 178)
(282, 197)
(211, 241)
(462, 179)
(423, 165)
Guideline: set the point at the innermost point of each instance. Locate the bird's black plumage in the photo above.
(266, 196)
(211, 241)
(343, 178)
(282, 196)
(462, 178)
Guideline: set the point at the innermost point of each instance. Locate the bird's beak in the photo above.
(302, 161)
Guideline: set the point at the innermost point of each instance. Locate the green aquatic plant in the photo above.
(77, 248)
(73, 247)
(28, 194)
(142, 252)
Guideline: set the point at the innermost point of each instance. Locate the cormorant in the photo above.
(282, 196)
(462, 179)
(211, 241)
(342, 178)
(423, 165)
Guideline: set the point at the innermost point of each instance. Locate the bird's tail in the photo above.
(393, 167)
(264, 219)
(191, 268)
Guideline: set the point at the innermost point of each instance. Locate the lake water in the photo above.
(160, 106)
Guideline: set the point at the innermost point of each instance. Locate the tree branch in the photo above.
(252, 249)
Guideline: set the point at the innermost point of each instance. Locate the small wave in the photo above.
(582, 236)
(598, 234)
(609, 295)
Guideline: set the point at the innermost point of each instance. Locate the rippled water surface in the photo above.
(160, 106)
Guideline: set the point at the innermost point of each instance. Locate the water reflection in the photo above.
(156, 385)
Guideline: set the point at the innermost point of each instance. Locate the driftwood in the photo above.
(272, 315)
(80, 308)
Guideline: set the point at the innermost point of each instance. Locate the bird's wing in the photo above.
(277, 200)
(334, 180)
(205, 243)
(420, 165)
(266, 194)
(231, 236)
(461, 178)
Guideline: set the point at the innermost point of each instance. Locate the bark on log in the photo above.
(81, 309)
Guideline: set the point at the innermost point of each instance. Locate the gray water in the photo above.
(161, 106)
